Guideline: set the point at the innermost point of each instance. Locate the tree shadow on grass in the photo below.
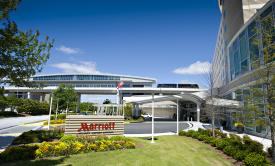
(40, 162)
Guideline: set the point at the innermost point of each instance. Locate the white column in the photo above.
(28, 95)
(198, 112)
(153, 116)
(177, 116)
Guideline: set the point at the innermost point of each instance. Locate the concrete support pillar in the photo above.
(29, 95)
(41, 98)
(78, 103)
(198, 112)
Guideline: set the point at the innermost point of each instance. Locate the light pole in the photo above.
(50, 112)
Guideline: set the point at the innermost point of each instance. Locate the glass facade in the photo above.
(75, 77)
(97, 85)
(251, 48)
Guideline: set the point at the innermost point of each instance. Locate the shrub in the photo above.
(254, 159)
(129, 145)
(37, 136)
(219, 134)
(48, 149)
(252, 146)
(202, 137)
(33, 107)
(208, 140)
(68, 138)
(230, 150)
(240, 155)
(58, 121)
(236, 141)
(195, 135)
(23, 152)
(205, 132)
(8, 114)
(70, 144)
(190, 133)
(182, 133)
(59, 116)
(213, 141)
(221, 143)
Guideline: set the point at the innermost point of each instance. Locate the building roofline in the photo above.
(99, 74)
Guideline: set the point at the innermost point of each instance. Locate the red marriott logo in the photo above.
(97, 126)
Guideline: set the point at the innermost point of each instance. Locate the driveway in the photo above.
(16, 121)
(160, 127)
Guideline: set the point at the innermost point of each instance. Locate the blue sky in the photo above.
(150, 38)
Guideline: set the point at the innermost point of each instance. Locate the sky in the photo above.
(172, 41)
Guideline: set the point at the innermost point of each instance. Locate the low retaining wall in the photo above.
(94, 124)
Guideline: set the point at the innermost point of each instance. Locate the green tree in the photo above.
(259, 101)
(21, 52)
(128, 111)
(33, 107)
(87, 106)
(107, 101)
(65, 97)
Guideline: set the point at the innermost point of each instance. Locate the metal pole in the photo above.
(49, 120)
(153, 115)
(177, 116)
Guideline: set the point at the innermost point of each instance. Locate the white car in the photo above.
(146, 116)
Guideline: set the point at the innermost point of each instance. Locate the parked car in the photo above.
(146, 116)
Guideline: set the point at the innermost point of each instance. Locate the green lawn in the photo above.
(168, 150)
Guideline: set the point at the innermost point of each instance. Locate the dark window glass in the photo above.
(252, 29)
(266, 12)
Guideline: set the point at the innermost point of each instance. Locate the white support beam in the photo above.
(153, 117)
(198, 112)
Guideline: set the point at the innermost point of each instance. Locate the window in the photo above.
(252, 29)
(254, 52)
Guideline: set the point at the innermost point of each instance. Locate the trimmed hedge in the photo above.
(22, 152)
(37, 136)
(254, 159)
(242, 149)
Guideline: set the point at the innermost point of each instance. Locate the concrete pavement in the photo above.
(13, 127)
(15, 121)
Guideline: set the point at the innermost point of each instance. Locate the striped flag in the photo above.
(120, 85)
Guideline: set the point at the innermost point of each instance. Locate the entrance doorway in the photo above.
(187, 111)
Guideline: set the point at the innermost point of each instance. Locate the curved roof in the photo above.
(97, 74)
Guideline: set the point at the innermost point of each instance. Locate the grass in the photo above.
(168, 150)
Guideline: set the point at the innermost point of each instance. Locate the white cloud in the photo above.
(81, 67)
(194, 69)
(68, 50)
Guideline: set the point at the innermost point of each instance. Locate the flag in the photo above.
(120, 84)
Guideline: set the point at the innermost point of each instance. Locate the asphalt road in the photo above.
(160, 127)
(11, 122)
(12, 127)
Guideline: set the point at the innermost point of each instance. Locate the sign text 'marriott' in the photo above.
(97, 126)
